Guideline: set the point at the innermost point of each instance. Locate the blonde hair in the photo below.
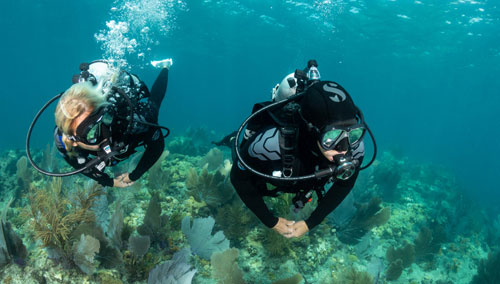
(79, 98)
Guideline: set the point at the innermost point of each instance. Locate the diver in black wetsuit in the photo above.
(329, 135)
(93, 118)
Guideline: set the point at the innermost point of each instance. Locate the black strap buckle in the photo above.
(287, 172)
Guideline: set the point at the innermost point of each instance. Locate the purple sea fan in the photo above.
(175, 271)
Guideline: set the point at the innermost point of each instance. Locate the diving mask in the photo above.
(331, 138)
(94, 129)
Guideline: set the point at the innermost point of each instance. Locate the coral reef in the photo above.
(488, 270)
(108, 255)
(405, 253)
(283, 205)
(399, 258)
(296, 279)
(213, 160)
(54, 217)
(137, 262)
(12, 248)
(138, 245)
(182, 145)
(236, 220)
(84, 252)
(115, 227)
(137, 269)
(434, 234)
(353, 276)
(200, 237)
(368, 216)
(155, 224)
(49, 161)
(274, 244)
(202, 138)
(195, 141)
(493, 232)
(175, 271)
(387, 176)
(212, 188)
(343, 214)
(225, 267)
(375, 268)
(24, 177)
(159, 177)
(428, 242)
(394, 270)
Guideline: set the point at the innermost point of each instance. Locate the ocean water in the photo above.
(425, 74)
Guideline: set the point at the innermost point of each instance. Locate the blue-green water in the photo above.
(425, 73)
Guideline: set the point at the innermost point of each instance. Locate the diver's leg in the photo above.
(159, 88)
(227, 140)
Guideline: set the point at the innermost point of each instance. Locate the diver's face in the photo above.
(76, 122)
(329, 154)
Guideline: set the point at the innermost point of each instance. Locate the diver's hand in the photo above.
(122, 181)
(299, 229)
(284, 227)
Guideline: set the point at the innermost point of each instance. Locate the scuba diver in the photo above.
(308, 137)
(104, 116)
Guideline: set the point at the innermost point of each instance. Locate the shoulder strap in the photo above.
(289, 131)
(288, 147)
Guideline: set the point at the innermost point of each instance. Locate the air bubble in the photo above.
(135, 26)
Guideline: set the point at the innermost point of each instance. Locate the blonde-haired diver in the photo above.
(106, 115)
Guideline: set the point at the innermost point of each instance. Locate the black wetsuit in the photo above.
(146, 108)
(262, 152)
